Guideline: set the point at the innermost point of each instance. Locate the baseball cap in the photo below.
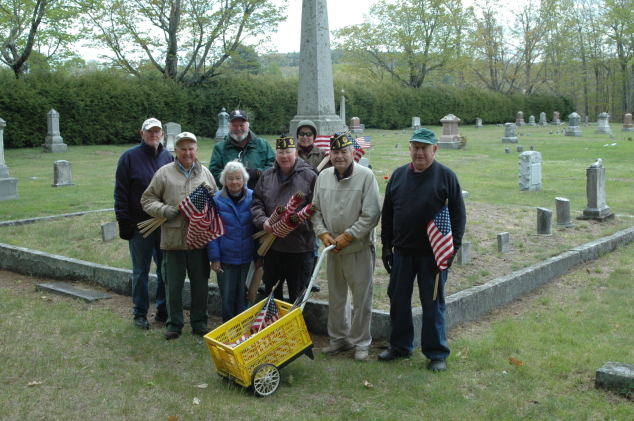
(424, 136)
(238, 114)
(185, 136)
(151, 122)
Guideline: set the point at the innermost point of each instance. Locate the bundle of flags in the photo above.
(205, 222)
(441, 239)
(267, 315)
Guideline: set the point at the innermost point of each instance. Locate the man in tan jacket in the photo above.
(347, 210)
(170, 185)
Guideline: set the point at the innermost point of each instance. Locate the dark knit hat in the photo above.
(340, 140)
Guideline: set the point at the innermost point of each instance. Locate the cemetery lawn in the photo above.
(66, 359)
(489, 175)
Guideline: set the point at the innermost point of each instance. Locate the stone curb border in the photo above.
(49, 218)
(464, 306)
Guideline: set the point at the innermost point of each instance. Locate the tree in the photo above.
(421, 38)
(619, 18)
(43, 25)
(186, 41)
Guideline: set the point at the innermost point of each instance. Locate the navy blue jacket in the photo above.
(135, 170)
(236, 246)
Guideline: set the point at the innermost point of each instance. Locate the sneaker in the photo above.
(161, 316)
(361, 354)
(437, 364)
(336, 348)
(171, 334)
(392, 354)
(141, 322)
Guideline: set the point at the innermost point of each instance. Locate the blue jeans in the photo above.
(400, 290)
(231, 284)
(142, 250)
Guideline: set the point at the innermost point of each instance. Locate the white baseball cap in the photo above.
(185, 136)
(151, 122)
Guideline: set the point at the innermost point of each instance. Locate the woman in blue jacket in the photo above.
(232, 253)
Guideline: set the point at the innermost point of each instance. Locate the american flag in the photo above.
(323, 142)
(267, 315)
(363, 141)
(440, 237)
(205, 222)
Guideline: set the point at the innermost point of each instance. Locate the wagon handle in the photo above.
(315, 272)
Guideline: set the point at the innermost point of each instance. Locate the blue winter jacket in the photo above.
(236, 246)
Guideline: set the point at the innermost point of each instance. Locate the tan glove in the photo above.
(327, 239)
(343, 240)
(171, 212)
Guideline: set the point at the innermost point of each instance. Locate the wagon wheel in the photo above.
(266, 379)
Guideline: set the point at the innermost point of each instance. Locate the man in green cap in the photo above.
(414, 195)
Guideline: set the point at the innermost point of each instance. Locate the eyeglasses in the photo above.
(307, 134)
(287, 151)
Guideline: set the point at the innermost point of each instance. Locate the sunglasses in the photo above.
(307, 134)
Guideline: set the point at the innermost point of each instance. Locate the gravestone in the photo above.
(556, 120)
(542, 120)
(507, 150)
(520, 149)
(365, 162)
(574, 121)
(450, 138)
(627, 123)
(53, 142)
(398, 145)
(530, 171)
(595, 191)
(603, 124)
(171, 130)
(342, 107)
(544, 221)
(587, 123)
(62, 175)
(415, 123)
(8, 185)
(463, 256)
(519, 121)
(562, 207)
(108, 231)
(531, 121)
(532, 147)
(315, 93)
(478, 123)
(503, 243)
(223, 126)
(355, 126)
(615, 376)
(510, 133)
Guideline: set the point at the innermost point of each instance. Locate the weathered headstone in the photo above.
(544, 221)
(8, 185)
(108, 231)
(355, 126)
(171, 130)
(450, 138)
(530, 171)
(531, 121)
(62, 175)
(223, 126)
(574, 123)
(519, 121)
(532, 147)
(603, 124)
(627, 123)
(507, 150)
(587, 122)
(615, 376)
(503, 243)
(398, 145)
(53, 142)
(365, 162)
(415, 123)
(562, 207)
(520, 148)
(595, 191)
(478, 123)
(556, 120)
(316, 96)
(542, 120)
(463, 256)
(510, 133)
(342, 107)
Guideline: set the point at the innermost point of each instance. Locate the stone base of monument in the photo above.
(615, 376)
(8, 188)
(54, 147)
(509, 140)
(357, 131)
(585, 216)
(448, 145)
(573, 131)
(627, 129)
(603, 130)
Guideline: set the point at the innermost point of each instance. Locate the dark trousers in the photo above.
(289, 267)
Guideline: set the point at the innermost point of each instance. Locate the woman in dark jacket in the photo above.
(232, 253)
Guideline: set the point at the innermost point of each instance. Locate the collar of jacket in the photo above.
(250, 144)
(225, 193)
(194, 170)
(149, 150)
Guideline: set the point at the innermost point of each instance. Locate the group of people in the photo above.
(250, 181)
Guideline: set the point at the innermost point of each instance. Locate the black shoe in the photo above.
(171, 334)
(315, 288)
(161, 316)
(201, 332)
(141, 322)
(391, 354)
(437, 364)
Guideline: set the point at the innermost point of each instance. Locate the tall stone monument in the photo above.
(8, 185)
(574, 123)
(342, 107)
(530, 171)
(316, 97)
(627, 123)
(53, 142)
(510, 133)
(223, 125)
(603, 124)
(170, 130)
(450, 138)
(595, 191)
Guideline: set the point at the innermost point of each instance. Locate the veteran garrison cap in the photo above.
(424, 136)
(284, 142)
(340, 140)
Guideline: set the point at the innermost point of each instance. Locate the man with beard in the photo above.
(243, 145)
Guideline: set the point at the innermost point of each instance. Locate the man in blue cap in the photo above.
(414, 195)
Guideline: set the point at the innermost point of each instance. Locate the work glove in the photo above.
(327, 239)
(254, 174)
(450, 260)
(126, 230)
(343, 241)
(171, 212)
(387, 257)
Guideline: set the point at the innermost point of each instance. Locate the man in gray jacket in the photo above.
(347, 210)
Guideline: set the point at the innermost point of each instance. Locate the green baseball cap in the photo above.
(423, 136)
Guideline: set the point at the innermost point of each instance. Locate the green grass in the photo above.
(93, 364)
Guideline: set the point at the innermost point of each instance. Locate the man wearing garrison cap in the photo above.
(414, 195)
(288, 256)
(347, 211)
